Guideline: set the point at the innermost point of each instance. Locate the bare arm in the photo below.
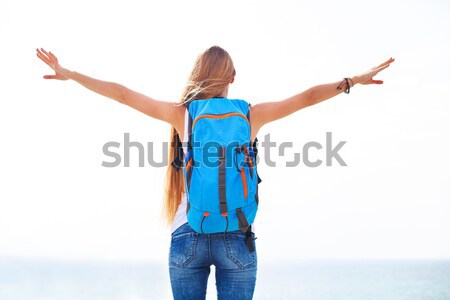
(263, 113)
(162, 110)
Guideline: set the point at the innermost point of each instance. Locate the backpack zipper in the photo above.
(244, 182)
(221, 116)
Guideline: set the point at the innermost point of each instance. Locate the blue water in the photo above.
(25, 279)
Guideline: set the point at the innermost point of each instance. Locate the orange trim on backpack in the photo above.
(244, 182)
(188, 165)
(206, 214)
(224, 214)
(219, 117)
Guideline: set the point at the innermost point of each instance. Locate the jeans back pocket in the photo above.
(182, 249)
(237, 250)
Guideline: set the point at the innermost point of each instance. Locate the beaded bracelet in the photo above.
(347, 85)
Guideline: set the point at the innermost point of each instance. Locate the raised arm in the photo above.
(162, 110)
(263, 113)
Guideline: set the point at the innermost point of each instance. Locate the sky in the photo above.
(391, 201)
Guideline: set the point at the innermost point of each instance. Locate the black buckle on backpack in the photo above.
(238, 150)
(249, 240)
(242, 220)
(177, 162)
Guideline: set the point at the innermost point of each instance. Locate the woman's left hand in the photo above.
(367, 77)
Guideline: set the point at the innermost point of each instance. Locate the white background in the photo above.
(392, 201)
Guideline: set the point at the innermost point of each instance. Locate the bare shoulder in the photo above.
(255, 120)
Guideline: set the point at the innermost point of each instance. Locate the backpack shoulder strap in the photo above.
(189, 129)
(177, 162)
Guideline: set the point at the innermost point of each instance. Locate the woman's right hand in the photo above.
(50, 59)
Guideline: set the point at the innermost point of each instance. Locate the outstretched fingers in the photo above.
(45, 52)
(49, 56)
(381, 68)
(378, 69)
(42, 56)
(367, 78)
(52, 56)
(50, 60)
(385, 64)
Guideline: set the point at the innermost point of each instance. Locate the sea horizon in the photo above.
(310, 279)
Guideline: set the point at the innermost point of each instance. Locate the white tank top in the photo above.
(180, 215)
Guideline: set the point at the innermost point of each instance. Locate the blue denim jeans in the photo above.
(192, 254)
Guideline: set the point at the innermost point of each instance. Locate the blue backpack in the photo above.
(220, 176)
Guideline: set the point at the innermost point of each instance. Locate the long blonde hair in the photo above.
(212, 72)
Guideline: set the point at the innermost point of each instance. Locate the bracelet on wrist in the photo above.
(345, 83)
(351, 81)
